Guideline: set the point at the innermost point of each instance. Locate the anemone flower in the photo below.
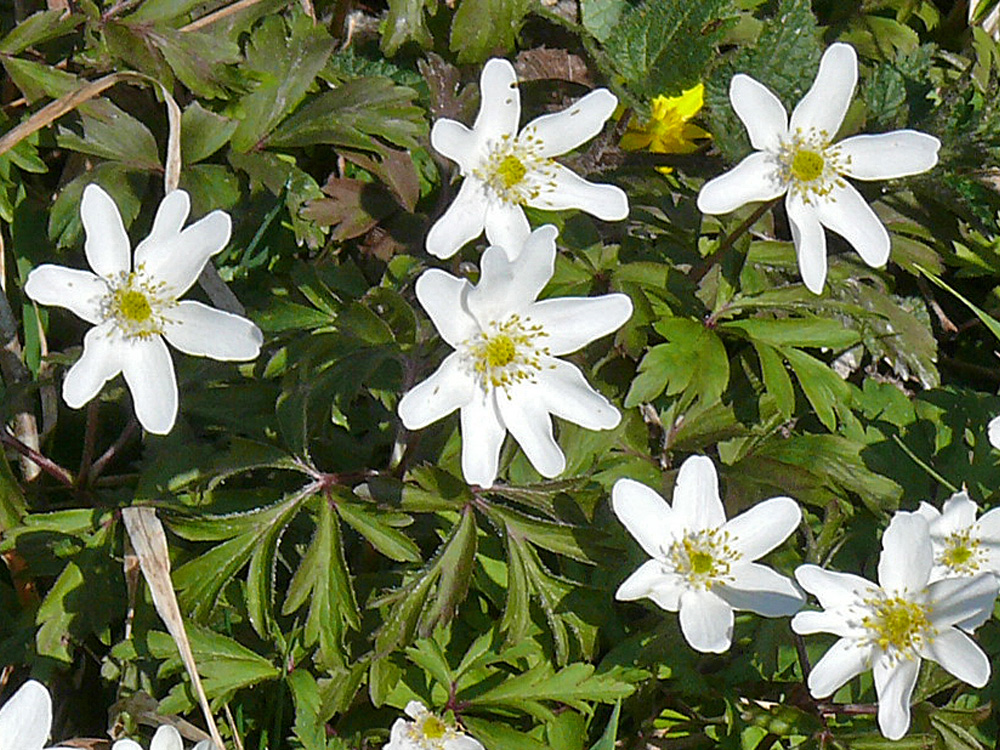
(26, 718)
(798, 158)
(889, 627)
(427, 732)
(703, 565)
(134, 308)
(505, 170)
(504, 374)
(166, 738)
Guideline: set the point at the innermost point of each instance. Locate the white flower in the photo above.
(133, 305)
(26, 718)
(427, 732)
(703, 565)
(890, 627)
(993, 428)
(166, 738)
(799, 157)
(962, 545)
(504, 374)
(505, 170)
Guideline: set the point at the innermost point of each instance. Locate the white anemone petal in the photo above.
(965, 601)
(167, 738)
(759, 589)
(573, 322)
(202, 331)
(565, 393)
(823, 107)
(169, 221)
(646, 515)
(832, 588)
(993, 432)
(482, 437)
(907, 555)
(530, 425)
(894, 682)
(763, 527)
(450, 387)
(507, 226)
(848, 214)
(103, 354)
(508, 287)
(461, 223)
(500, 101)
(452, 139)
(179, 259)
(568, 190)
(696, 502)
(442, 297)
(563, 131)
(959, 655)
(80, 292)
(642, 582)
(888, 155)
(957, 514)
(149, 373)
(107, 247)
(754, 179)
(126, 744)
(26, 718)
(833, 621)
(706, 621)
(844, 660)
(760, 110)
(810, 243)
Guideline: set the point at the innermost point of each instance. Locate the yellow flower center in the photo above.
(133, 305)
(511, 171)
(507, 353)
(433, 728)
(807, 165)
(703, 558)
(962, 553)
(899, 624)
(429, 732)
(136, 304)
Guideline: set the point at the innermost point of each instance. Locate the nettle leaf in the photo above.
(324, 581)
(600, 17)
(481, 27)
(694, 358)
(287, 60)
(785, 59)
(353, 115)
(663, 46)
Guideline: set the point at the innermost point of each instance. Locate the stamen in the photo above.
(507, 353)
(810, 166)
(962, 553)
(428, 732)
(807, 165)
(898, 624)
(515, 171)
(703, 558)
(136, 304)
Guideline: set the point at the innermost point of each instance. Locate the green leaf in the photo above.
(392, 543)
(988, 320)
(201, 61)
(599, 17)
(38, 81)
(406, 22)
(287, 66)
(663, 46)
(607, 740)
(203, 133)
(481, 28)
(497, 736)
(112, 133)
(12, 502)
(38, 28)
(824, 388)
(806, 331)
(354, 115)
(776, 378)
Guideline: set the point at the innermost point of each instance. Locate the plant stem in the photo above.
(699, 272)
(47, 465)
(89, 440)
(98, 467)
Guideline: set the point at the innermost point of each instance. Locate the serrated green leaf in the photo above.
(824, 388)
(406, 22)
(392, 543)
(203, 133)
(482, 27)
(805, 331)
(776, 379)
(600, 17)
(691, 349)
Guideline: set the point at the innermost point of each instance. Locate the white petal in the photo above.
(565, 393)
(646, 515)
(482, 438)
(761, 111)
(450, 387)
(642, 582)
(126, 744)
(397, 736)
(530, 425)
(203, 331)
(834, 621)
(462, 742)
(177, 260)
(963, 601)
(507, 226)
(169, 221)
(706, 621)
(568, 190)
(759, 589)
(894, 684)
(888, 155)
(573, 322)
(989, 527)
(847, 213)
(834, 589)
(461, 223)
(452, 139)
(500, 101)
(667, 595)
(80, 292)
(825, 104)
(441, 296)
(107, 247)
(960, 655)
(754, 179)
(26, 718)
(845, 660)
(994, 432)
(149, 372)
(696, 502)
(810, 243)
(957, 514)
(415, 709)
(563, 131)
(763, 527)
(103, 352)
(510, 286)
(167, 738)
(929, 512)
(907, 555)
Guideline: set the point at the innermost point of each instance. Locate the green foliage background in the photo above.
(333, 566)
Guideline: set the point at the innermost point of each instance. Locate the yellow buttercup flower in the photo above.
(668, 130)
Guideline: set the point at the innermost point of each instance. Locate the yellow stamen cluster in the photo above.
(810, 165)
(136, 304)
(898, 624)
(507, 352)
(515, 170)
(962, 553)
(429, 732)
(703, 558)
